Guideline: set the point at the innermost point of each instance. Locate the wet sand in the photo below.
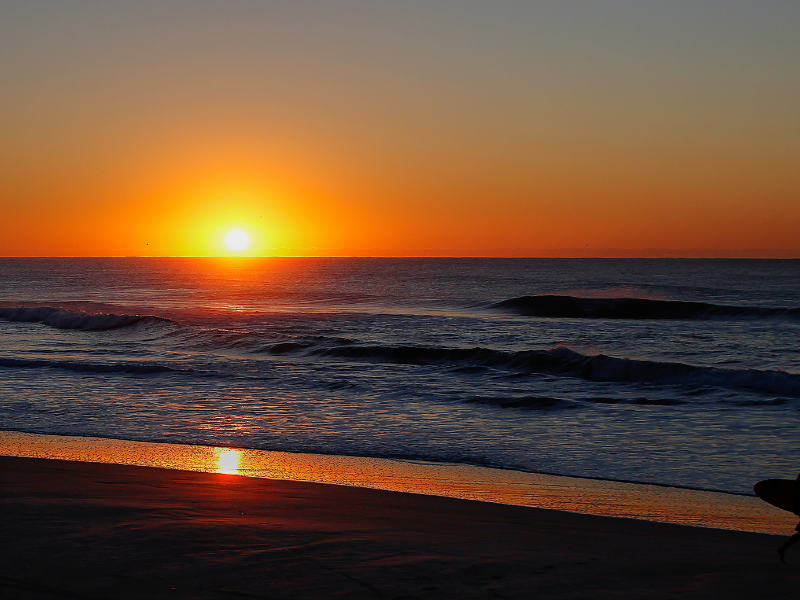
(84, 530)
(681, 506)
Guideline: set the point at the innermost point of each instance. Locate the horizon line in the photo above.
(566, 253)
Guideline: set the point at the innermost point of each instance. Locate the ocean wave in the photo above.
(552, 404)
(609, 368)
(524, 403)
(562, 361)
(286, 347)
(90, 367)
(565, 307)
(60, 318)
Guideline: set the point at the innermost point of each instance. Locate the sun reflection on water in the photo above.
(228, 461)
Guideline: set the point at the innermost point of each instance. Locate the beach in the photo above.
(400, 429)
(86, 530)
(399, 300)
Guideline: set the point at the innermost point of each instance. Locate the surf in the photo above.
(560, 361)
(574, 307)
(60, 318)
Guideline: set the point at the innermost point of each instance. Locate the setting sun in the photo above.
(237, 240)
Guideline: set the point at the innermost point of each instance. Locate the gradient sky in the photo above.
(400, 128)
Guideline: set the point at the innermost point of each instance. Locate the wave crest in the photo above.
(573, 307)
(60, 318)
(542, 403)
(564, 362)
(89, 367)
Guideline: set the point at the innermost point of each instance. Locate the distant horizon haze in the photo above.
(566, 253)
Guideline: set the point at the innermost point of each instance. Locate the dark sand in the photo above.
(84, 530)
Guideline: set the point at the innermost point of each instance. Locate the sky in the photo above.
(405, 128)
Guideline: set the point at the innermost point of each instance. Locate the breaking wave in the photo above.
(564, 362)
(632, 308)
(70, 319)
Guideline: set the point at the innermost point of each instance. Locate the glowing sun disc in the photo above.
(237, 240)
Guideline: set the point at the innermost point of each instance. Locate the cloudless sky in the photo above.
(400, 128)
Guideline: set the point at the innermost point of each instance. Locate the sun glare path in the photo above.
(228, 461)
(237, 240)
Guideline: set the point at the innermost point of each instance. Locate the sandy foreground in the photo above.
(87, 530)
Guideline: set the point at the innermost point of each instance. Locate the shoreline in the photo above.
(6, 433)
(648, 502)
(102, 531)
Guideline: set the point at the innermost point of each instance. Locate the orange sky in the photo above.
(400, 129)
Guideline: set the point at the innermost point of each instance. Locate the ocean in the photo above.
(667, 371)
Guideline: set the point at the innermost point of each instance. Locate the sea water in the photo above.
(676, 372)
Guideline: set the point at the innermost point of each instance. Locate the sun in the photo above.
(237, 240)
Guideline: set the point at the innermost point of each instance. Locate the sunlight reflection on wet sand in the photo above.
(589, 496)
(228, 461)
